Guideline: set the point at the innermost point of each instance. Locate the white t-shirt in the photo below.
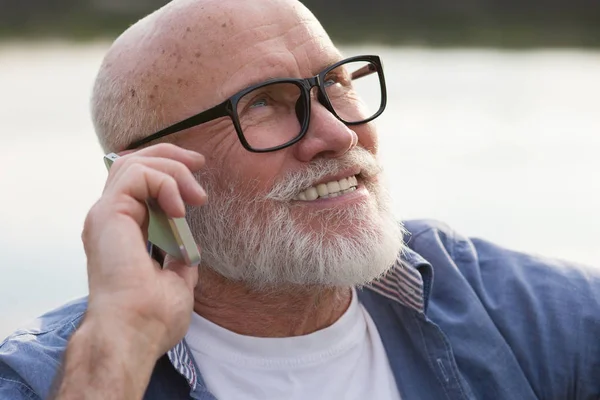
(343, 361)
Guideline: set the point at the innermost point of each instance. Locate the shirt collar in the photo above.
(408, 282)
(181, 358)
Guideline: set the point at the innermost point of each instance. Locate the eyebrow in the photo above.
(328, 64)
(257, 81)
(323, 66)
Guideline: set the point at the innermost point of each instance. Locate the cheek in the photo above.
(232, 164)
(250, 172)
(214, 140)
(367, 136)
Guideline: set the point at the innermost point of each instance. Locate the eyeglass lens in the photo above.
(272, 115)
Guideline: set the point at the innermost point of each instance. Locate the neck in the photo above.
(281, 312)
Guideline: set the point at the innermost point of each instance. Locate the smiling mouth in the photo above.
(329, 189)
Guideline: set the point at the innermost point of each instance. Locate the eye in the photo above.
(329, 82)
(262, 102)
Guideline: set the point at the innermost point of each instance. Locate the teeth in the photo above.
(333, 187)
(344, 184)
(352, 189)
(329, 190)
(322, 190)
(311, 194)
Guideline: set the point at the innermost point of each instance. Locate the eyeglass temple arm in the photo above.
(364, 71)
(208, 115)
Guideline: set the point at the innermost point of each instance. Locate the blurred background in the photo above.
(493, 125)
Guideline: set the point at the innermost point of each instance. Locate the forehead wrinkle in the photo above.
(317, 50)
(278, 58)
(268, 58)
(265, 37)
(261, 69)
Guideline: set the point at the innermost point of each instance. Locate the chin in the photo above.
(270, 244)
(334, 223)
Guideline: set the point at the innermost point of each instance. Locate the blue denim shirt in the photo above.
(459, 318)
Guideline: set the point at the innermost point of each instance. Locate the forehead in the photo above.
(266, 45)
(203, 53)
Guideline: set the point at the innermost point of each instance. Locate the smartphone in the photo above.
(171, 235)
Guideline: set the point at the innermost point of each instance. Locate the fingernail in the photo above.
(200, 190)
(195, 153)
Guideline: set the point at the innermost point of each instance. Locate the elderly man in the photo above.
(308, 286)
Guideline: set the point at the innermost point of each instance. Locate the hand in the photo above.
(128, 290)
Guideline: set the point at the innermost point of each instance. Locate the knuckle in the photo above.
(90, 222)
(168, 147)
(170, 182)
(172, 167)
(124, 163)
(89, 218)
(137, 169)
(181, 169)
(167, 187)
(119, 162)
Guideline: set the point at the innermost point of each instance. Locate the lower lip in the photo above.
(358, 194)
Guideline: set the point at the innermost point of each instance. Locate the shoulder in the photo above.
(494, 270)
(30, 357)
(546, 311)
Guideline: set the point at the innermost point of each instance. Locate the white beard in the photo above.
(266, 242)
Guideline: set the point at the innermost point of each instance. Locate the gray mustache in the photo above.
(288, 186)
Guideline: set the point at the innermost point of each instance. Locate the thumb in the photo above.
(188, 273)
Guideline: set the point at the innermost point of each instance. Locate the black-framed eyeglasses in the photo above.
(276, 114)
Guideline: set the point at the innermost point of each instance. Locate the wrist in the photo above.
(123, 338)
(104, 360)
(131, 330)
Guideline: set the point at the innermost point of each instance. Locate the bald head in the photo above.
(193, 54)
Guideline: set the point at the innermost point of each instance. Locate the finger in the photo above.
(185, 272)
(125, 152)
(129, 194)
(106, 231)
(193, 160)
(191, 191)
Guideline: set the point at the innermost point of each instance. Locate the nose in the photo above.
(327, 136)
